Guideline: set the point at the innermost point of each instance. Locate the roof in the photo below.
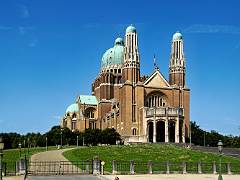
(177, 36)
(131, 29)
(72, 108)
(114, 55)
(157, 79)
(87, 99)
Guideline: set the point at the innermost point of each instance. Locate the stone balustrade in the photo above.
(164, 111)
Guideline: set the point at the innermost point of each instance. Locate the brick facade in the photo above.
(141, 109)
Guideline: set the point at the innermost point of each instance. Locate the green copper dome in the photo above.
(131, 29)
(119, 41)
(177, 36)
(72, 108)
(114, 55)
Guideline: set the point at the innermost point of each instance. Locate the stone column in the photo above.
(177, 131)
(114, 167)
(96, 166)
(150, 163)
(214, 168)
(183, 132)
(132, 167)
(154, 127)
(184, 167)
(168, 167)
(166, 131)
(21, 166)
(229, 168)
(199, 168)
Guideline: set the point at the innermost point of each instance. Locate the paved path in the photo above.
(54, 155)
(172, 176)
(51, 162)
(132, 177)
(83, 177)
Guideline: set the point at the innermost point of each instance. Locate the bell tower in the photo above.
(131, 69)
(177, 62)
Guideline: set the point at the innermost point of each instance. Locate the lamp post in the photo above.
(28, 145)
(204, 139)
(220, 148)
(190, 138)
(61, 137)
(20, 147)
(77, 141)
(1, 156)
(24, 146)
(46, 144)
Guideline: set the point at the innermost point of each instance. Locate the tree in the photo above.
(110, 136)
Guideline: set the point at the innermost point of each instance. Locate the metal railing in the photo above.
(59, 167)
(138, 167)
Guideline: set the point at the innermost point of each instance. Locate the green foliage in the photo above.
(212, 138)
(110, 136)
(97, 136)
(90, 136)
(144, 153)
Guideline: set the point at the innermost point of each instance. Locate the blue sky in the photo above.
(50, 52)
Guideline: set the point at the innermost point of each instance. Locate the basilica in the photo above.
(141, 108)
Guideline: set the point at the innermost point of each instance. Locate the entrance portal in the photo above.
(171, 130)
(160, 131)
(150, 132)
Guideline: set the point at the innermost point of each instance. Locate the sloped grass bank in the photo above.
(145, 152)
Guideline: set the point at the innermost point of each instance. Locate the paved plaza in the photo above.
(132, 177)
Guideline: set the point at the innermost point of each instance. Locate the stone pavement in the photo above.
(172, 176)
(132, 177)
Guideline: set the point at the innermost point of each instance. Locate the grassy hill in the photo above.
(10, 156)
(144, 153)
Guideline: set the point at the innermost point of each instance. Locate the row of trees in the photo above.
(54, 136)
(106, 136)
(201, 137)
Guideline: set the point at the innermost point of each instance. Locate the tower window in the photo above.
(134, 131)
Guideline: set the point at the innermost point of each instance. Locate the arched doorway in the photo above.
(150, 131)
(171, 130)
(160, 131)
(180, 131)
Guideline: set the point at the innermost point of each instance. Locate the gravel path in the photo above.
(51, 163)
(55, 155)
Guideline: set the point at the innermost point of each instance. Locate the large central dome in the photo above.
(114, 55)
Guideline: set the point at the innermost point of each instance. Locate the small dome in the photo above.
(114, 55)
(177, 36)
(119, 41)
(131, 29)
(72, 108)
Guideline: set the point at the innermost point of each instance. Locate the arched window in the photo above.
(134, 131)
(156, 100)
(74, 115)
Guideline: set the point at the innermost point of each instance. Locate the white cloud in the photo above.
(206, 28)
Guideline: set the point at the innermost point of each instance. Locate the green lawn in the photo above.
(10, 156)
(143, 153)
